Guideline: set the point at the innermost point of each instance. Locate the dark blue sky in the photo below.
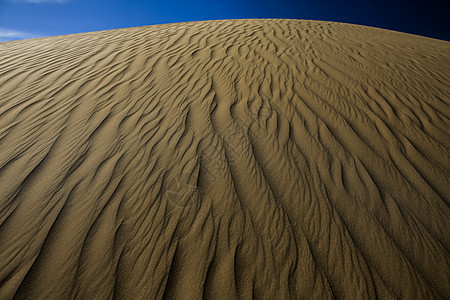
(37, 18)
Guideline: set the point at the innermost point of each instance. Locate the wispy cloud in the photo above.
(40, 1)
(11, 35)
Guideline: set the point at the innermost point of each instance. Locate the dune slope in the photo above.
(225, 159)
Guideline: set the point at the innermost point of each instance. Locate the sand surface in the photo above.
(263, 159)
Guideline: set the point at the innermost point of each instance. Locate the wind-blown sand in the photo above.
(226, 159)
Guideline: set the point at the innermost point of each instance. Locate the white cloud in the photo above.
(41, 1)
(11, 35)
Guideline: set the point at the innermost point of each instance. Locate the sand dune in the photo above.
(263, 159)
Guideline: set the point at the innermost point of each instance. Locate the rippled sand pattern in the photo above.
(263, 159)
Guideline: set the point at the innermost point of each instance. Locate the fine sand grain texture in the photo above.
(264, 159)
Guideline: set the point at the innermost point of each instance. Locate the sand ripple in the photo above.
(262, 159)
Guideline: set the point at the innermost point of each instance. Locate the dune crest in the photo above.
(263, 159)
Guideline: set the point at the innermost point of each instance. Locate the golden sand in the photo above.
(263, 159)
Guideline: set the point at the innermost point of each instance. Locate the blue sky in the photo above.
(37, 18)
